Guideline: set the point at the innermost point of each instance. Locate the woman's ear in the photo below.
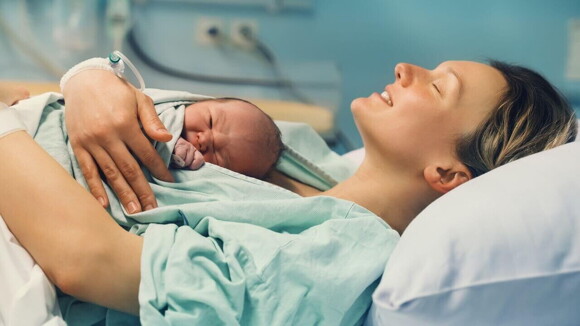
(443, 179)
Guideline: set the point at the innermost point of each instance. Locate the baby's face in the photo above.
(228, 134)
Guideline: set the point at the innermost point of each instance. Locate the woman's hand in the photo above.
(102, 117)
(10, 95)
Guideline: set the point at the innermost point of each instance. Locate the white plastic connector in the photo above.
(243, 32)
(209, 30)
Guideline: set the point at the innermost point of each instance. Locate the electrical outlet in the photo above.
(209, 30)
(239, 27)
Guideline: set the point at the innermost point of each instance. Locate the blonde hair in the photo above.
(531, 116)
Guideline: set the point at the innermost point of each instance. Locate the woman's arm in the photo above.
(102, 118)
(80, 248)
(10, 94)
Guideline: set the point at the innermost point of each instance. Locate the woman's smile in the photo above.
(381, 97)
(386, 95)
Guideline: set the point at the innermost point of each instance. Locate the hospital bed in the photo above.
(502, 249)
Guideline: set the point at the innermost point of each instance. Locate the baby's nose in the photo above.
(204, 140)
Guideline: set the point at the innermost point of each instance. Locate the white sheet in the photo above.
(27, 296)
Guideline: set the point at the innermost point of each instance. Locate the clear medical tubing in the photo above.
(118, 61)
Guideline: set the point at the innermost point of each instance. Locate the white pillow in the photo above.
(502, 249)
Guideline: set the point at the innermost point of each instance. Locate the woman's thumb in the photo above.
(151, 123)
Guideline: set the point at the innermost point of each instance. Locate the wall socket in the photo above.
(236, 34)
(210, 30)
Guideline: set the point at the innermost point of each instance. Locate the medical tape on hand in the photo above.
(90, 64)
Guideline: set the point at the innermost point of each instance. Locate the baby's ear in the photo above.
(444, 179)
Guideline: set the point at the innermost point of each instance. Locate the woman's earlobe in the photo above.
(444, 180)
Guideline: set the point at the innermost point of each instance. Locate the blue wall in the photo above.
(370, 39)
(365, 39)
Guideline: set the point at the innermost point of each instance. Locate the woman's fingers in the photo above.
(102, 119)
(121, 170)
(125, 177)
(155, 129)
(152, 125)
(92, 176)
(148, 156)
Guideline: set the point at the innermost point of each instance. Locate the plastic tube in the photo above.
(118, 61)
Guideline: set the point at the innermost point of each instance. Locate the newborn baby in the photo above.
(229, 132)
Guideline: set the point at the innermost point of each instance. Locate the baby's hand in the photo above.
(186, 156)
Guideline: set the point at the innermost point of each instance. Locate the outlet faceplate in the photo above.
(203, 28)
(236, 35)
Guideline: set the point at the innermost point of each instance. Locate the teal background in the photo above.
(349, 46)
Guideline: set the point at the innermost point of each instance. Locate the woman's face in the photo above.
(423, 113)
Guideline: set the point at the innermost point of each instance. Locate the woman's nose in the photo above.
(404, 74)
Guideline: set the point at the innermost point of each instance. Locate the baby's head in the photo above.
(234, 134)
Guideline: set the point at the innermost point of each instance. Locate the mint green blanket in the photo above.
(226, 249)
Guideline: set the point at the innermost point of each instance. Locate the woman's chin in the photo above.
(357, 104)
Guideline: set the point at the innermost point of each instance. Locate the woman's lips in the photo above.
(387, 97)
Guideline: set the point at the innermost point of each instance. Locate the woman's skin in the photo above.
(10, 94)
(69, 234)
(410, 142)
(410, 161)
(108, 131)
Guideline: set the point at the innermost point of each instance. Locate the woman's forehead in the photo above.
(481, 82)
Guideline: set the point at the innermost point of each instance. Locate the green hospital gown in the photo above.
(226, 249)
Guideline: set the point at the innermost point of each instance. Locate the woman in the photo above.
(10, 95)
(426, 134)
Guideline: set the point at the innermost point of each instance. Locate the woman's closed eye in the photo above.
(436, 88)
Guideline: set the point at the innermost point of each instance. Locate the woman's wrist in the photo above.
(90, 64)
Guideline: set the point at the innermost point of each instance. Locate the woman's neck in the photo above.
(394, 197)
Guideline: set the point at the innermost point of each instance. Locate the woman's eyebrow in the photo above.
(459, 81)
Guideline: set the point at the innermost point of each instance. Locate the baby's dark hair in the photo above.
(272, 137)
